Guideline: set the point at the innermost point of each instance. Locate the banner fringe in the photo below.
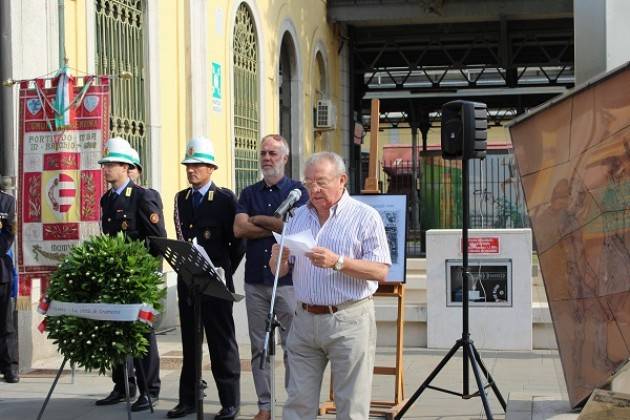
(24, 303)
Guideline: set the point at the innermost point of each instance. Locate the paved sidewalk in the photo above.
(537, 373)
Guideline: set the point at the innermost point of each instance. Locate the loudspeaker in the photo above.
(464, 130)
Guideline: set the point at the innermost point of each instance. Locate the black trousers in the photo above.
(151, 364)
(218, 325)
(8, 334)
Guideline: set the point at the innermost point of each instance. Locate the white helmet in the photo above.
(135, 157)
(117, 150)
(200, 150)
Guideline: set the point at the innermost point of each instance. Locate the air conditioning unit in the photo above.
(325, 114)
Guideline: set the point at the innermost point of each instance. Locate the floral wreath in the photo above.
(104, 269)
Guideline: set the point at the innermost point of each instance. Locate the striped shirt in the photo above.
(354, 230)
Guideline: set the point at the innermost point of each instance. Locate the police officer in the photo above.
(135, 174)
(126, 207)
(206, 212)
(8, 335)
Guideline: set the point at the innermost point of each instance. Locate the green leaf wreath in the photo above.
(104, 269)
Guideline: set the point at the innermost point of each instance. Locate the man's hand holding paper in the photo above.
(299, 244)
(322, 257)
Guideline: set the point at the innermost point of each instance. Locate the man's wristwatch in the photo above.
(339, 264)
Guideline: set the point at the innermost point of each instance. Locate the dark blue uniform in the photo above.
(211, 223)
(8, 335)
(138, 213)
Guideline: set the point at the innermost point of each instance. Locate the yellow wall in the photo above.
(173, 112)
(75, 35)
(307, 17)
(172, 72)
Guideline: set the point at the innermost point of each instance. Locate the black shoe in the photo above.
(180, 410)
(115, 397)
(11, 377)
(227, 413)
(142, 403)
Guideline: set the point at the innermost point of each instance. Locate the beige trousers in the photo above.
(347, 339)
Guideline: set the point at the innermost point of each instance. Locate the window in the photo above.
(246, 100)
(120, 32)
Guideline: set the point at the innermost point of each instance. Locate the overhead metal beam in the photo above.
(396, 12)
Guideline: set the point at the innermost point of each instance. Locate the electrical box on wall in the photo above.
(325, 114)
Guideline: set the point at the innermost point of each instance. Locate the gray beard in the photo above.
(271, 172)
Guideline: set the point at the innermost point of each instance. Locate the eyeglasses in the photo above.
(321, 183)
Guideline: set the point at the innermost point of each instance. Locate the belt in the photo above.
(319, 309)
(331, 309)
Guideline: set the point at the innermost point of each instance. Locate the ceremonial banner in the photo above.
(64, 122)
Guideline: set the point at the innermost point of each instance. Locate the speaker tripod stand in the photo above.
(471, 356)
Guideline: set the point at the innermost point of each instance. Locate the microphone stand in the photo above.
(269, 348)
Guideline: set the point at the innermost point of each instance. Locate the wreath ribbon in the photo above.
(117, 312)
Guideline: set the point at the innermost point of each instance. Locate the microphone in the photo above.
(288, 203)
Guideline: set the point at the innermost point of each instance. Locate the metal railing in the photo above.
(496, 199)
(246, 101)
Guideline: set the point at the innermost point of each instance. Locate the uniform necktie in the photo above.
(197, 199)
(112, 197)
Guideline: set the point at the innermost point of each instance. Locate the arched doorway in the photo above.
(320, 91)
(288, 102)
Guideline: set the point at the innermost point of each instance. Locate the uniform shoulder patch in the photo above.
(154, 218)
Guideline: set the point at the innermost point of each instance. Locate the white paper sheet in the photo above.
(298, 243)
(206, 257)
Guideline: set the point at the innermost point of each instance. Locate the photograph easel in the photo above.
(385, 408)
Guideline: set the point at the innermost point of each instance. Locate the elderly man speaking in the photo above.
(334, 284)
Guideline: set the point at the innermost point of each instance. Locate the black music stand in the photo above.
(202, 280)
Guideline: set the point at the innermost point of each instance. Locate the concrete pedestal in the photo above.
(500, 261)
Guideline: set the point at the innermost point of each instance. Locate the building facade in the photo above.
(230, 70)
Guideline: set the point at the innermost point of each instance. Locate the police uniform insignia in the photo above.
(210, 195)
(128, 192)
(154, 218)
(124, 225)
(206, 234)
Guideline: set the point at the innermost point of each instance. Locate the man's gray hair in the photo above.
(278, 138)
(334, 158)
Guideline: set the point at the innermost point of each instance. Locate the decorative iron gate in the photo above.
(120, 33)
(246, 101)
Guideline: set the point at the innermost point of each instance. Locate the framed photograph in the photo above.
(490, 283)
(393, 211)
